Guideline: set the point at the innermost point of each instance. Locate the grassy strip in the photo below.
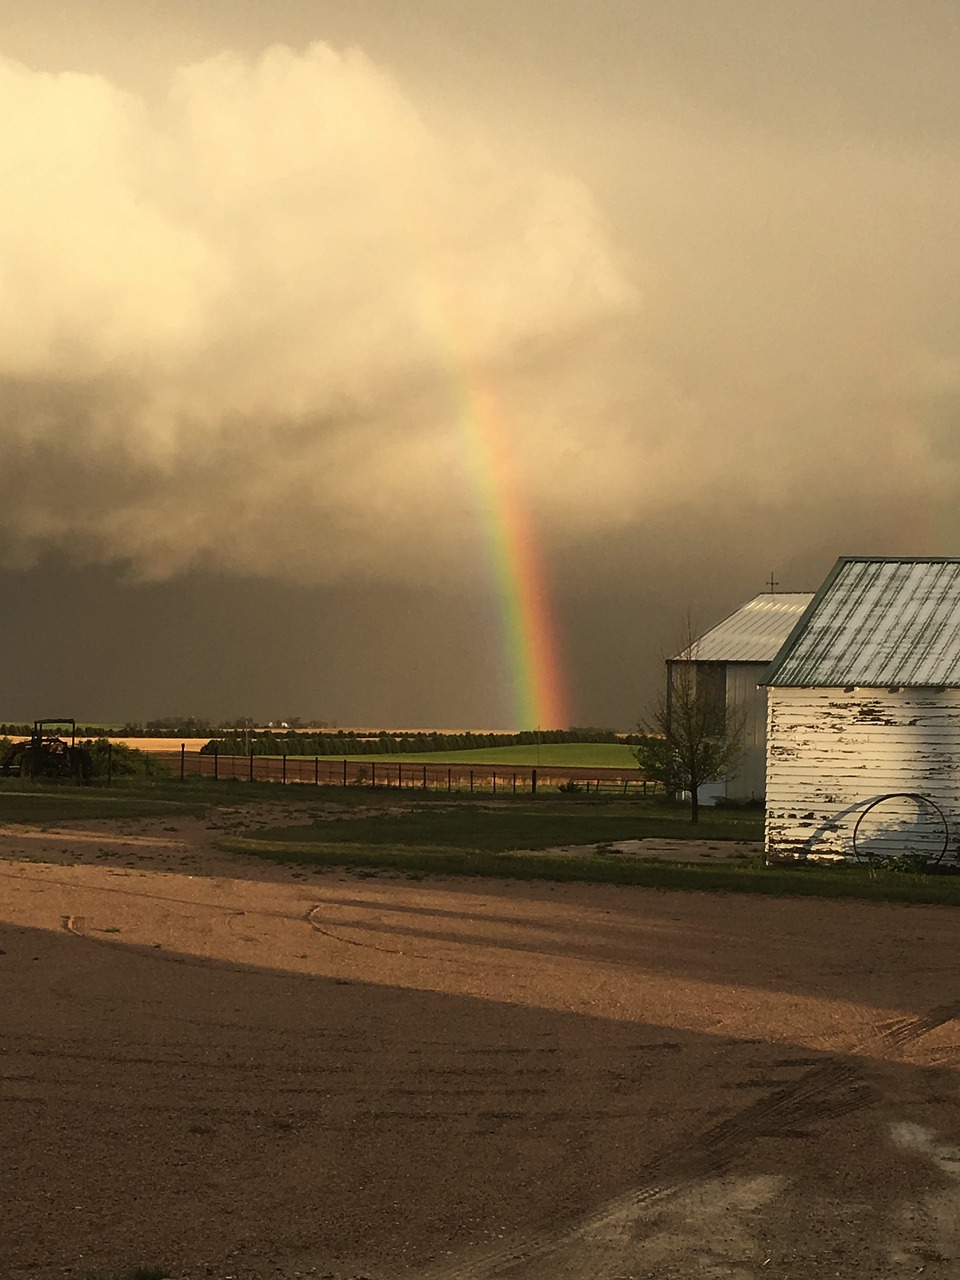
(415, 818)
(841, 882)
(528, 824)
(71, 804)
(30, 800)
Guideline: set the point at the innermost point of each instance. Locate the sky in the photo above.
(351, 351)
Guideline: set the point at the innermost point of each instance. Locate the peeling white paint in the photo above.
(830, 752)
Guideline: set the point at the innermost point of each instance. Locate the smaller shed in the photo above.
(863, 731)
(732, 657)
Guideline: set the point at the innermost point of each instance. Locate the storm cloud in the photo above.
(243, 327)
(263, 275)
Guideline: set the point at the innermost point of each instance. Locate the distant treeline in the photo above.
(56, 729)
(347, 743)
(189, 728)
(171, 727)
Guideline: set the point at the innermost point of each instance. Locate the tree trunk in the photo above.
(694, 797)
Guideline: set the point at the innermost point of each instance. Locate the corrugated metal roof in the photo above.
(877, 623)
(754, 633)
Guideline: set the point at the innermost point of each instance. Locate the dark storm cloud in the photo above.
(276, 292)
(703, 256)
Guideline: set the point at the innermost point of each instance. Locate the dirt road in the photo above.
(227, 1069)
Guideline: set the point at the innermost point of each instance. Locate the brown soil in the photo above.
(228, 1069)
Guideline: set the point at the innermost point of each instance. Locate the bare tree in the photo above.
(693, 735)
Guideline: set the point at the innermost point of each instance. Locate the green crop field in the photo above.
(570, 755)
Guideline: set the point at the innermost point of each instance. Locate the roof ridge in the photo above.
(876, 622)
(898, 560)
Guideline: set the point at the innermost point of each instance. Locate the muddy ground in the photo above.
(227, 1069)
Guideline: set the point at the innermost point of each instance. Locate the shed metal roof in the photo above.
(754, 633)
(877, 623)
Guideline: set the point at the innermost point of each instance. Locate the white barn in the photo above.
(733, 656)
(863, 729)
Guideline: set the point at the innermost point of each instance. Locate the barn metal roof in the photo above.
(754, 633)
(877, 623)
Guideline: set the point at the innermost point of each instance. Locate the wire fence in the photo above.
(454, 777)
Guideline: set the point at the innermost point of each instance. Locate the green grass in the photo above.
(35, 802)
(29, 800)
(750, 876)
(528, 823)
(506, 840)
(569, 755)
(436, 834)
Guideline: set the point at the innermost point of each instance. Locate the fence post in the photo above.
(494, 782)
(183, 752)
(283, 776)
(533, 782)
(449, 779)
(344, 770)
(109, 763)
(316, 770)
(471, 782)
(399, 776)
(250, 779)
(424, 777)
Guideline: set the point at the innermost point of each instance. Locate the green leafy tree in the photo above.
(120, 760)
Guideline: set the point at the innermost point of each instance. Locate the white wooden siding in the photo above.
(830, 752)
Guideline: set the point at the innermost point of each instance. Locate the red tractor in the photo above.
(45, 754)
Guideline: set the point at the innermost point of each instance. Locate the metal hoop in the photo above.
(902, 795)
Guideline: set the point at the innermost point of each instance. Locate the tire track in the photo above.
(313, 920)
(77, 926)
(904, 1031)
(832, 1088)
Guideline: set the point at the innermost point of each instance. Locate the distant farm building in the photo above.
(730, 659)
(863, 744)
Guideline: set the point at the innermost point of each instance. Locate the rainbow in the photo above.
(528, 629)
